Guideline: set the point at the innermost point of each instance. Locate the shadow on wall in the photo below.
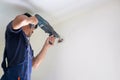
(7, 13)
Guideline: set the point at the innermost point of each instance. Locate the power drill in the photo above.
(43, 24)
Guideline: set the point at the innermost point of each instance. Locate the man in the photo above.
(18, 51)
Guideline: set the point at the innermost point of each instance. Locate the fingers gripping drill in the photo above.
(44, 25)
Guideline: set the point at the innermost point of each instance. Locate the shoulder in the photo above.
(10, 30)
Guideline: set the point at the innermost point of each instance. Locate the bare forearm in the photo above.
(39, 58)
(23, 20)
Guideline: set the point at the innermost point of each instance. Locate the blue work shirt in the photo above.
(18, 55)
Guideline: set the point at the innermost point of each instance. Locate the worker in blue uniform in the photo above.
(18, 58)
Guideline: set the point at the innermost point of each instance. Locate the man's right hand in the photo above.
(49, 41)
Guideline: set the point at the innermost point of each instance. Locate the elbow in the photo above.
(35, 66)
(18, 22)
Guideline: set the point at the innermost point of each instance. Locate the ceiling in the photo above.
(58, 11)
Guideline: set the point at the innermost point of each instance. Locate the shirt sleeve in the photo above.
(11, 30)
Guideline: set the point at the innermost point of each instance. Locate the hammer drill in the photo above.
(44, 25)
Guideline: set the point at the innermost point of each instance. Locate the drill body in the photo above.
(43, 24)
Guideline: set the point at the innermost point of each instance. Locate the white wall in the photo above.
(90, 50)
(91, 47)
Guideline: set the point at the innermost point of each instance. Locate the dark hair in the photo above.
(29, 15)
